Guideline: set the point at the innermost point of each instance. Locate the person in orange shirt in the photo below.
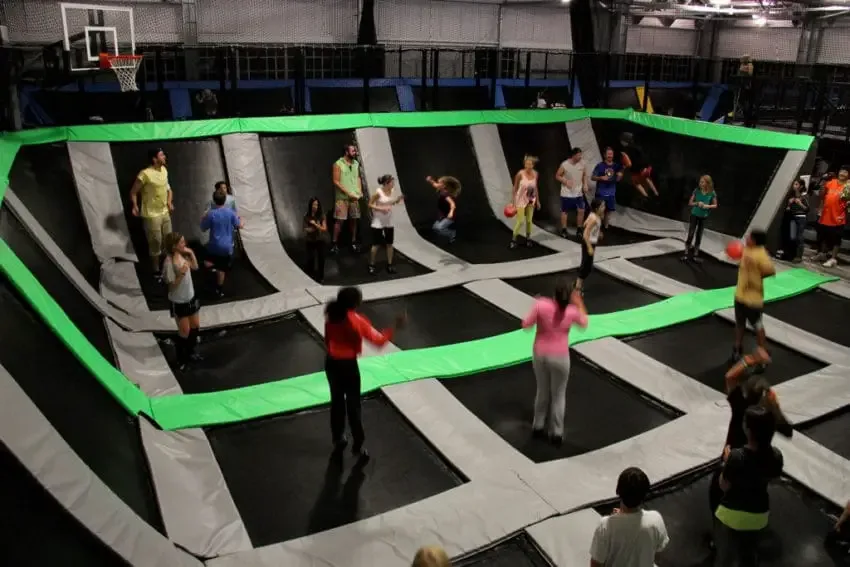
(833, 217)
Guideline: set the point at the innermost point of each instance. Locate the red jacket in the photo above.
(344, 340)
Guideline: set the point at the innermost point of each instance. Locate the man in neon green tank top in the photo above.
(348, 191)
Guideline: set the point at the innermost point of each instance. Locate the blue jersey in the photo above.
(602, 169)
(221, 222)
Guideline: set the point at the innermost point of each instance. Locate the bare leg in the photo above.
(563, 220)
(373, 254)
(579, 218)
(353, 224)
(337, 229)
(641, 190)
(389, 253)
(652, 186)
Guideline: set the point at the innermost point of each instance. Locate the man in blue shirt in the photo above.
(221, 221)
(607, 174)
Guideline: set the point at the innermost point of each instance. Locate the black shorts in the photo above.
(181, 310)
(220, 263)
(745, 314)
(830, 236)
(383, 236)
(586, 262)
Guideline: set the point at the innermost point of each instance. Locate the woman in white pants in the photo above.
(553, 318)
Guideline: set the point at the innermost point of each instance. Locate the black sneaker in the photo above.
(390, 269)
(334, 249)
(686, 258)
(196, 357)
(564, 233)
(529, 243)
(219, 294)
(360, 452)
(696, 260)
(355, 248)
(538, 434)
(372, 269)
(157, 277)
(512, 245)
(556, 440)
(736, 355)
(183, 367)
(340, 444)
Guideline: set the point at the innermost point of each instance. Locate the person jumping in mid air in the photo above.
(448, 189)
(631, 536)
(383, 230)
(222, 222)
(553, 318)
(349, 191)
(703, 201)
(590, 237)
(640, 173)
(607, 174)
(755, 265)
(151, 187)
(315, 237)
(180, 262)
(572, 175)
(526, 198)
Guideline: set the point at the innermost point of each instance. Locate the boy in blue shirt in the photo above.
(220, 221)
(607, 174)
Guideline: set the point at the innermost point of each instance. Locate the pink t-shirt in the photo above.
(553, 326)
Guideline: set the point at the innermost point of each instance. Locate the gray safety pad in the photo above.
(816, 394)
(40, 448)
(777, 191)
(581, 135)
(642, 277)
(648, 375)
(498, 183)
(566, 539)
(460, 520)
(682, 444)
(119, 284)
(816, 467)
(376, 155)
(197, 509)
(98, 189)
(713, 243)
(246, 171)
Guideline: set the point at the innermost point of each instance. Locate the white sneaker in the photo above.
(831, 263)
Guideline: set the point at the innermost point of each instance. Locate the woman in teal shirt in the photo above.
(703, 201)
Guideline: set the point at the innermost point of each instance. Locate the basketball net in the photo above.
(125, 68)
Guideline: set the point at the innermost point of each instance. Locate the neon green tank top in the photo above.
(348, 176)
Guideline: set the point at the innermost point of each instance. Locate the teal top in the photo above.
(700, 197)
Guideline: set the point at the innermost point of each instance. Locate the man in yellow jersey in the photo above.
(153, 190)
(755, 265)
(348, 190)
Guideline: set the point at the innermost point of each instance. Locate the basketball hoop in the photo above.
(125, 67)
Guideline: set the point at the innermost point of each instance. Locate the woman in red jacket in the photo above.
(345, 330)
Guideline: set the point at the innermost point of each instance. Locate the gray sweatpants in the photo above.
(552, 373)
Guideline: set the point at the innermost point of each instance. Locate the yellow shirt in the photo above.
(154, 194)
(754, 264)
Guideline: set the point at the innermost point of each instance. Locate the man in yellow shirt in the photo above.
(755, 265)
(153, 190)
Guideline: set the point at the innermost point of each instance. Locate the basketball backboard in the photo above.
(92, 29)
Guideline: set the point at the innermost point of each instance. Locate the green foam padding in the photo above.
(131, 397)
(191, 410)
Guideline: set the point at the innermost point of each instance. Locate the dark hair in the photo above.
(347, 299)
(153, 154)
(219, 198)
(759, 237)
(606, 150)
(219, 184)
(761, 426)
(385, 178)
(595, 204)
(563, 289)
(632, 487)
(347, 146)
(170, 242)
(310, 208)
(575, 151)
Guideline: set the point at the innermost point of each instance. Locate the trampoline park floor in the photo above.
(502, 399)
(710, 274)
(795, 536)
(247, 355)
(818, 312)
(712, 337)
(286, 484)
(518, 551)
(831, 431)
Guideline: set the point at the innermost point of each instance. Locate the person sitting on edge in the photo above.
(630, 536)
(221, 221)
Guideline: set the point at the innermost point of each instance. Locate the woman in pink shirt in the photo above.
(553, 318)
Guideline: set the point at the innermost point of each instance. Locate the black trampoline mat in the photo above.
(82, 313)
(795, 536)
(285, 484)
(93, 423)
(518, 551)
(43, 179)
(602, 293)
(38, 530)
(504, 400)
(702, 348)
(818, 312)
(347, 100)
(194, 167)
(247, 355)
(832, 432)
(441, 317)
(711, 274)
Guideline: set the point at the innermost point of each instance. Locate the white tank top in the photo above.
(381, 219)
(594, 231)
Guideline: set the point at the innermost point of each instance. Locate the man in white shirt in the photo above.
(631, 536)
(572, 175)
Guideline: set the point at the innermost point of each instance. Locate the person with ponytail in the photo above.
(345, 330)
(743, 513)
(553, 319)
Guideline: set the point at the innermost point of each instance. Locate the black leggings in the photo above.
(695, 228)
(344, 381)
(316, 259)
